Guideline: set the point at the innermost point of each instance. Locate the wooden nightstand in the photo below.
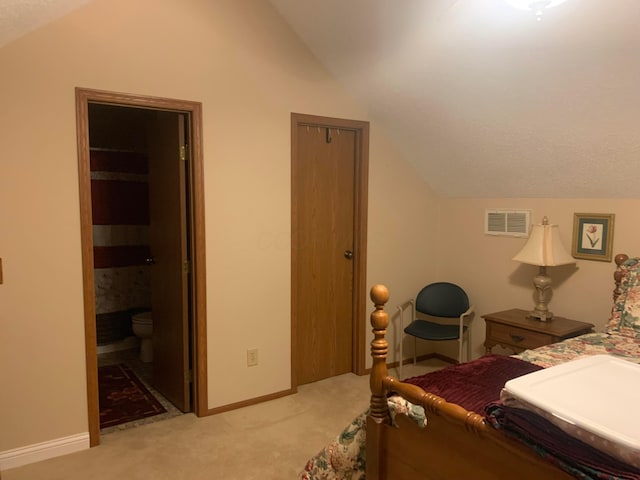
(512, 329)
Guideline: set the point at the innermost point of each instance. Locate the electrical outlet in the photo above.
(252, 357)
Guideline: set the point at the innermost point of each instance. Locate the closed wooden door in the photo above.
(323, 246)
(169, 249)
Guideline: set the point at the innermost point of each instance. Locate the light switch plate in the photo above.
(252, 357)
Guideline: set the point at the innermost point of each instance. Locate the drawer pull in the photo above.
(517, 338)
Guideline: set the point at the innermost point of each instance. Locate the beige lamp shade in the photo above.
(544, 247)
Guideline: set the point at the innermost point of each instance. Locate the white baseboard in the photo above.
(42, 451)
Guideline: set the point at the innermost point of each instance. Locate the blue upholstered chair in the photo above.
(439, 301)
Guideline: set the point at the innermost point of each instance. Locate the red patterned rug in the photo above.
(123, 398)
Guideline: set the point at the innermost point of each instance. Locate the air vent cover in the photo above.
(512, 223)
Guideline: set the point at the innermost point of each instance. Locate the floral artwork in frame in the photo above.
(593, 236)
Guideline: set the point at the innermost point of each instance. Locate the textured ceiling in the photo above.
(481, 98)
(484, 100)
(18, 17)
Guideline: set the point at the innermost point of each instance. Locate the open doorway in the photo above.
(142, 224)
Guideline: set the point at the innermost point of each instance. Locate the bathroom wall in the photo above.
(120, 211)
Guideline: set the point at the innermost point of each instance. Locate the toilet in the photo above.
(142, 325)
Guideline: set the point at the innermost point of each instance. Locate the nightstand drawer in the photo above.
(518, 337)
(514, 329)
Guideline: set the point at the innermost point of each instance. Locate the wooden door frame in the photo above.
(361, 185)
(197, 296)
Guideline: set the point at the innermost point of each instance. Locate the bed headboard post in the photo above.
(379, 348)
(617, 275)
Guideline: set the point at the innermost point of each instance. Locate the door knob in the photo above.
(348, 254)
(149, 260)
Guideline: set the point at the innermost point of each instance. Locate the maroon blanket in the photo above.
(569, 453)
(474, 385)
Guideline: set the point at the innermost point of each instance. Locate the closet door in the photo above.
(323, 244)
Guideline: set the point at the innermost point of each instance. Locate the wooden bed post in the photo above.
(379, 349)
(617, 275)
(379, 411)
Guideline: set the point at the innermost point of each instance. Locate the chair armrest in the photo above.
(401, 308)
(470, 310)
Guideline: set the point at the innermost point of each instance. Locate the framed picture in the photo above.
(593, 236)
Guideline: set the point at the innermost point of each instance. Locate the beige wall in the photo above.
(250, 72)
(482, 263)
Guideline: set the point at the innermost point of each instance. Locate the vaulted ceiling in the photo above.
(486, 101)
(481, 98)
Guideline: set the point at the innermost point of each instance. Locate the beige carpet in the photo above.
(271, 440)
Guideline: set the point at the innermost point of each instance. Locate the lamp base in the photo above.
(542, 283)
(540, 315)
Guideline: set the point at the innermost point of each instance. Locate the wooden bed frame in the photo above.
(455, 444)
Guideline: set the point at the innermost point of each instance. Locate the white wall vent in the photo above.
(512, 223)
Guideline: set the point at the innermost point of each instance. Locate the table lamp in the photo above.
(543, 249)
